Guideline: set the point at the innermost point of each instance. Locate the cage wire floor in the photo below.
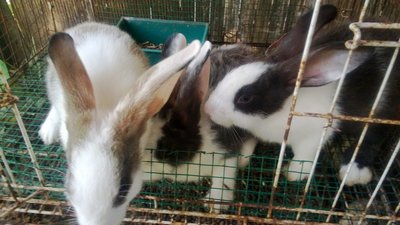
(165, 201)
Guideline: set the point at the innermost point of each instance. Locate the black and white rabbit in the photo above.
(187, 145)
(102, 94)
(256, 95)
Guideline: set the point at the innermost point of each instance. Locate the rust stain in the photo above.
(348, 118)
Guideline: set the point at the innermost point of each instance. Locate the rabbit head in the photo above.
(252, 92)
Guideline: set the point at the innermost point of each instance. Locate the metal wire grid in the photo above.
(161, 200)
(253, 185)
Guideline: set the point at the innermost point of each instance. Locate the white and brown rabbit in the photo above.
(188, 147)
(102, 95)
(255, 94)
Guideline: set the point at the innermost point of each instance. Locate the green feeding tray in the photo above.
(156, 32)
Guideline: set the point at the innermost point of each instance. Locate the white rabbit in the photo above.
(102, 95)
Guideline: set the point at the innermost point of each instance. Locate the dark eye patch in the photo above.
(265, 96)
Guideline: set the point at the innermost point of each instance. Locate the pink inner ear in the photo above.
(204, 77)
(326, 65)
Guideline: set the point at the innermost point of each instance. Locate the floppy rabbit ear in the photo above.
(154, 87)
(74, 80)
(174, 44)
(293, 42)
(326, 64)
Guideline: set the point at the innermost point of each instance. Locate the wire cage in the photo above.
(32, 174)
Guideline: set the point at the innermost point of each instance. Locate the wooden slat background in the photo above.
(25, 29)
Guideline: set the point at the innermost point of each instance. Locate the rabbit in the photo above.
(255, 95)
(187, 146)
(102, 94)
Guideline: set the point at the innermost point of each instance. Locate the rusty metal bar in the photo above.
(356, 28)
(330, 116)
(7, 183)
(324, 132)
(203, 214)
(371, 114)
(382, 178)
(244, 219)
(24, 134)
(18, 203)
(2, 155)
(37, 188)
(394, 215)
(293, 103)
(373, 43)
(329, 122)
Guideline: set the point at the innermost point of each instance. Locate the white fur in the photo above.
(94, 181)
(356, 175)
(305, 132)
(205, 49)
(109, 63)
(114, 70)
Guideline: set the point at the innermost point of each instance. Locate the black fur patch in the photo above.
(180, 141)
(230, 138)
(268, 93)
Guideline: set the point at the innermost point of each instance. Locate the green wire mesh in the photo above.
(253, 183)
(257, 22)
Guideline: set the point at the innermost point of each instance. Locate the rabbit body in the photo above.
(102, 96)
(186, 145)
(256, 95)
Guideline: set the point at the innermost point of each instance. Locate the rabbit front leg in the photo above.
(50, 129)
(304, 152)
(360, 172)
(223, 184)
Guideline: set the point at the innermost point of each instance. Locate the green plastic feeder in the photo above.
(157, 31)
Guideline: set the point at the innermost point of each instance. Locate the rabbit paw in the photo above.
(356, 175)
(48, 133)
(297, 170)
(50, 130)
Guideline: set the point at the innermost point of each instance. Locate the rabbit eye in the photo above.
(244, 99)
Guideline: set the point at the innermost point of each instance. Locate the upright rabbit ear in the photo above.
(193, 89)
(292, 43)
(196, 77)
(74, 79)
(154, 87)
(326, 64)
(174, 44)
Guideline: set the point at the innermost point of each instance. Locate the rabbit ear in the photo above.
(196, 77)
(325, 65)
(174, 44)
(154, 87)
(74, 80)
(193, 89)
(292, 43)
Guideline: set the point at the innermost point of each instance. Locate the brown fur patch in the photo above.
(126, 149)
(72, 73)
